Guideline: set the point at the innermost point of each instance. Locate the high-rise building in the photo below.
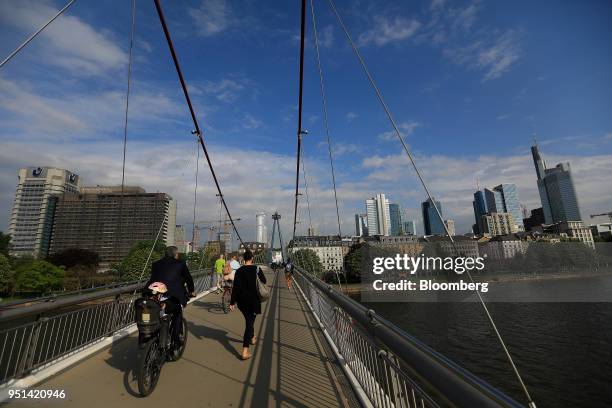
(361, 225)
(557, 192)
(31, 223)
(410, 227)
(179, 239)
(395, 216)
(495, 224)
(105, 221)
(260, 219)
(504, 199)
(379, 219)
(450, 226)
(480, 209)
(432, 224)
(225, 237)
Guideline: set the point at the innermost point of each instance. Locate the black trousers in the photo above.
(174, 309)
(249, 329)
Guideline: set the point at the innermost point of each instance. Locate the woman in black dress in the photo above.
(244, 294)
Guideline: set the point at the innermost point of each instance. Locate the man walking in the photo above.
(219, 265)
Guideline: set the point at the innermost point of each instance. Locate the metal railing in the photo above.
(36, 336)
(393, 368)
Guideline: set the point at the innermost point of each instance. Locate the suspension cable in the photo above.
(30, 38)
(299, 129)
(127, 109)
(307, 196)
(197, 130)
(429, 195)
(325, 116)
(195, 197)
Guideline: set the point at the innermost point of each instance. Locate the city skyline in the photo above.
(463, 120)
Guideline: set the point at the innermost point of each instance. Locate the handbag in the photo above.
(263, 292)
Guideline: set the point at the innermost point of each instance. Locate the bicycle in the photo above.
(226, 297)
(156, 342)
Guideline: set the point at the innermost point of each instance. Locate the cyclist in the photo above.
(174, 274)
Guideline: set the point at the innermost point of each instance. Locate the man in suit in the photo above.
(175, 275)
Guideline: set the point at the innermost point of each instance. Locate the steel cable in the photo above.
(429, 195)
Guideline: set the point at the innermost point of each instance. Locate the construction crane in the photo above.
(210, 225)
(608, 214)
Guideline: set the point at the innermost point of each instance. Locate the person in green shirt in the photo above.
(219, 265)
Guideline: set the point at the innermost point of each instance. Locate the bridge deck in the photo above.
(291, 364)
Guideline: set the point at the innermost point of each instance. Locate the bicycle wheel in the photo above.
(177, 353)
(225, 300)
(149, 368)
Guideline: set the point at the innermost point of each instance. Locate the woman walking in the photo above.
(244, 294)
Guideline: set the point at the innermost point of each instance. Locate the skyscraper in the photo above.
(361, 225)
(31, 222)
(260, 219)
(410, 227)
(480, 209)
(504, 199)
(450, 226)
(379, 219)
(557, 192)
(432, 224)
(395, 216)
(104, 220)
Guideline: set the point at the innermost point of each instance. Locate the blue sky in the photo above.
(470, 82)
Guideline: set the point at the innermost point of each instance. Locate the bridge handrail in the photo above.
(450, 382)
(54, 303)
(42, 334)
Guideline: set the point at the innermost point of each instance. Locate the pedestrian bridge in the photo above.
(316, 348)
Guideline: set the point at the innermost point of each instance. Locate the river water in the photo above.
(563, 350)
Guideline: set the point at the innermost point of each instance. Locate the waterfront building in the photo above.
(109, 222)
(361, 225)
(503, 247)
(557, 192)
(504, 199)
(450, 226)
(465, 246)
(378, 215)
(31, 223)
(494, 224)
(480, 209)
(432, 224)
(410, 227)
(535, 220)
(395, 216)
(574, 230)
(330, 249)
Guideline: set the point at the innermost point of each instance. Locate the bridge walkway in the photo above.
(292, 365)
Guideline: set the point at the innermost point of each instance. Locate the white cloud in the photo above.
(68, 42)
(464, 18)
(326, 36)
(225, 90)
(389, 29)
(493, 56)
(608, 136)
(251, 123)
(350, 116)
(212, 17)
(451, 179)
(406, 129)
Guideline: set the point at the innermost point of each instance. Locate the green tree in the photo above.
(353, 262)
(133, 265)
(71, 257)
(307, 259)
(5, 243)
(38, 276)
(7, 275)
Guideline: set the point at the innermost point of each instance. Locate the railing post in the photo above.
(25, 365)
(113, 315)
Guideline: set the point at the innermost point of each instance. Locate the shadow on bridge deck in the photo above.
(291, 364)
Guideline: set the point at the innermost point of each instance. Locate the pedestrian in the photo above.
(244, 294)
(289, 268)
(219, 264)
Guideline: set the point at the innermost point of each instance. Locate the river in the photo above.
(563, 350)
